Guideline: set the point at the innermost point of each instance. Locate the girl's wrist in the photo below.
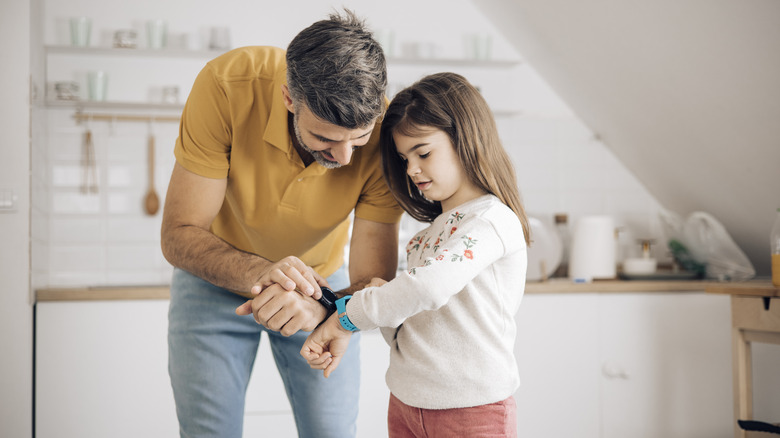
(334, 320)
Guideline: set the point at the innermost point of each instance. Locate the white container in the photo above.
(80, 29)
(637, 266)
(645, 265)
(593, 249)
(156, 34)
(97, 85)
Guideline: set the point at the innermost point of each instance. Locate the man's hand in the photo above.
(327, 344)
(291, 274)
(284, 311)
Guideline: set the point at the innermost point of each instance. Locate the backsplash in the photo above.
(107, 239)
(102, 238)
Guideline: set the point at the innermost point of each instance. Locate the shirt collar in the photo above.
(276, 132)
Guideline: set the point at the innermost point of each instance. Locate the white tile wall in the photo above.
(105, 238)
(102, 238)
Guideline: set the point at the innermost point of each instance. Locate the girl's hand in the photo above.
(326, 345)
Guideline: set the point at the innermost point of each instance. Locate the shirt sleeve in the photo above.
(205, 133)
(377, 203)
(464, 252)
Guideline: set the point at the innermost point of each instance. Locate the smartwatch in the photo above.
(328, 299)
(341, 308)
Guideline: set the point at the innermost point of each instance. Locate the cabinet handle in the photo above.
(610, 371)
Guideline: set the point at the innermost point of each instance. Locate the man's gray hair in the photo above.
(337, 69)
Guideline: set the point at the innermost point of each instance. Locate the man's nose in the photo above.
(342, 154)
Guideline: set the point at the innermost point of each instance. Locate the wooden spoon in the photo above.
(152, 201)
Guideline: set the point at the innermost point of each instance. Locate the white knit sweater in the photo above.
(449, 319)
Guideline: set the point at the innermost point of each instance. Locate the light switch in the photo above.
(8, 199)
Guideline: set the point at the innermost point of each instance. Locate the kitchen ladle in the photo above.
(152, 201)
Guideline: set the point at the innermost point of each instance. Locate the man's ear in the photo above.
(288, 102)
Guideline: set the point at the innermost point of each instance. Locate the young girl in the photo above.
(449, 319)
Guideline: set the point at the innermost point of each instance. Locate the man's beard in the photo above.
(317, 155)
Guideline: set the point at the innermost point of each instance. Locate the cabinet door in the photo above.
(268, 411)
(374, 395)
(557, 354)
(101, 370)
(666, 365)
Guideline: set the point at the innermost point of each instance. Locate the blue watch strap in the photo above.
(341, 311)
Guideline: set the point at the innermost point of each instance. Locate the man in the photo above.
(275, 151)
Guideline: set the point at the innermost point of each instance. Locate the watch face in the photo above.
(328, 299)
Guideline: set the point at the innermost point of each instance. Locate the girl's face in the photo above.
(434, 167)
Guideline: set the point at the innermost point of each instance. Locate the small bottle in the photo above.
(562, 228)
(774, 247)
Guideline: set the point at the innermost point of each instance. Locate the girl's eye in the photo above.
(425, 155)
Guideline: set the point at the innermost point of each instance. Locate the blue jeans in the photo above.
(211, 352)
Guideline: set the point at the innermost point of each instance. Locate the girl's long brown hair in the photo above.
(448, 102)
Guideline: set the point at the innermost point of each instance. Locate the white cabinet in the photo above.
(268, 411)
(557, 351)
(639, 365)
(101, 370)
(624, 365)
(672, 357)
(374, 395)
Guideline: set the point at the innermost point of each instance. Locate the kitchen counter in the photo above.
(553, 286)
(107, 293)
(751, 289)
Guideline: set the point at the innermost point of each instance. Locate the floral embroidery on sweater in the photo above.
(455, 218)
(468, 242)
(415, 244)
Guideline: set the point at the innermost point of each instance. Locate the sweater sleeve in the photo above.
(459, 253)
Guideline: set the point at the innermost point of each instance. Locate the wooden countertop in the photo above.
(553, 286)
(752, 288)
(107, 293)
(563, 285)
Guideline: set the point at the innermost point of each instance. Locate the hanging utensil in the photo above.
(152, 201)
(89, 182)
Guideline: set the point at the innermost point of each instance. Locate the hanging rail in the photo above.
(80, 117)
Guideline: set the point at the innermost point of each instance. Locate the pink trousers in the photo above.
(486, 421)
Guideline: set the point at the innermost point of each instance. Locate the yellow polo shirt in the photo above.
(234, 125)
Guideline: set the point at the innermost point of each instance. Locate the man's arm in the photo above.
(191, 205)
(373, 252)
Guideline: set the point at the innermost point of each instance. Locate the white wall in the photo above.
(15, 301)
(106, 239)
(684, 93)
